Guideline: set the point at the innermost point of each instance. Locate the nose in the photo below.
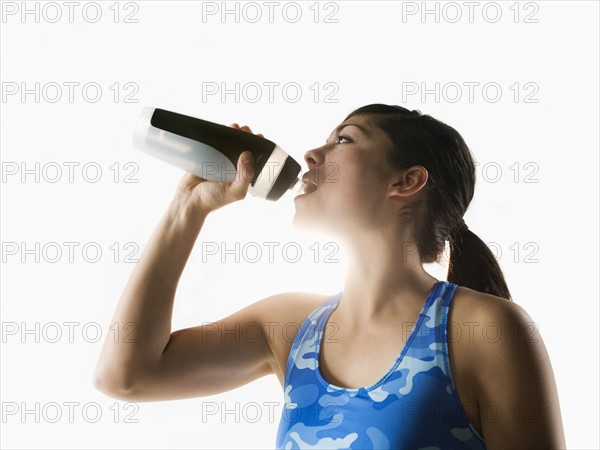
(314, 157)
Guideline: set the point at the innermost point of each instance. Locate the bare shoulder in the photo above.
(289, 306)
(507, 364)
(491, 313)
(497, 321)
(486, 322)
(477, 322)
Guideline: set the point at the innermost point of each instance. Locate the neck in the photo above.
(385, 276)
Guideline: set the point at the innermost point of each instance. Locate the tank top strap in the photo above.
(303, 352)
(436, 311)
(428, 336)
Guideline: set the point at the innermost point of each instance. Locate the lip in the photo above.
(308, 178)
(308, 190)
(302, 195)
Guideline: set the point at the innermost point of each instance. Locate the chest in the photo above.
(372, 389)
(352, 360)
(403, 352)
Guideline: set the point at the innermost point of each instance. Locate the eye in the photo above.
(342, 137)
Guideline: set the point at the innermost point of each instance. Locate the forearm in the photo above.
(141, 324)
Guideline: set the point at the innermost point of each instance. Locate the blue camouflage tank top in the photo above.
(413, 406)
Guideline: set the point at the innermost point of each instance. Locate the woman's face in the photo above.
(348, 180)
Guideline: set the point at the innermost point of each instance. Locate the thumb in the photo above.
(245, 173)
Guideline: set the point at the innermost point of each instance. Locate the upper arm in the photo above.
(516, 390)
(211, 358)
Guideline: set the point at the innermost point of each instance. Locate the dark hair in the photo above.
(419, 139)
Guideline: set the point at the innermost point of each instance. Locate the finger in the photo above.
(245, 169)
(248, 166)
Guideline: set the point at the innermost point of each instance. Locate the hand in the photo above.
(211, 195)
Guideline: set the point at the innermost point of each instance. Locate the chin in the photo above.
(318, 225)
(302, 222)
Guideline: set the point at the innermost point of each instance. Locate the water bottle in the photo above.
(210, 151)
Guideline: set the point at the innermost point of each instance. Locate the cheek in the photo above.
(345, 170)
(356, 194)
(359, 180)
(351, 191)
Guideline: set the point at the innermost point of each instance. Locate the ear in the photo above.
(409, 181)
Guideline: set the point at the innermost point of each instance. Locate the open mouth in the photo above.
(311, 186)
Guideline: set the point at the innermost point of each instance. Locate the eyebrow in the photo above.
(341, 127)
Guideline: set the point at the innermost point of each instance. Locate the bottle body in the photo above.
(210, 151)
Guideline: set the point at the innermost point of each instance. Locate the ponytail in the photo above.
(473, 265)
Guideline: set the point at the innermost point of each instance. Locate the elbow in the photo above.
(119, 388)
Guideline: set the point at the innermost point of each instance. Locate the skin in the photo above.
(506, 383)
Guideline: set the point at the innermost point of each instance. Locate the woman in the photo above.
(397, 359)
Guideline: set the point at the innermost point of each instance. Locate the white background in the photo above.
(369, 52)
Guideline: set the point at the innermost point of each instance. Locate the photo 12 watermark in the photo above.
(69, 412)
(470, 12)
(269, 92)
(75, 92)
(67, 332)
(68, 252)
(69, 172)
(270, 12)
(470, 92)
(70, 12)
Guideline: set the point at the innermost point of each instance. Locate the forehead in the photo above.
(358, 123)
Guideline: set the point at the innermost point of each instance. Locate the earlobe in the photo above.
(409, 182)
